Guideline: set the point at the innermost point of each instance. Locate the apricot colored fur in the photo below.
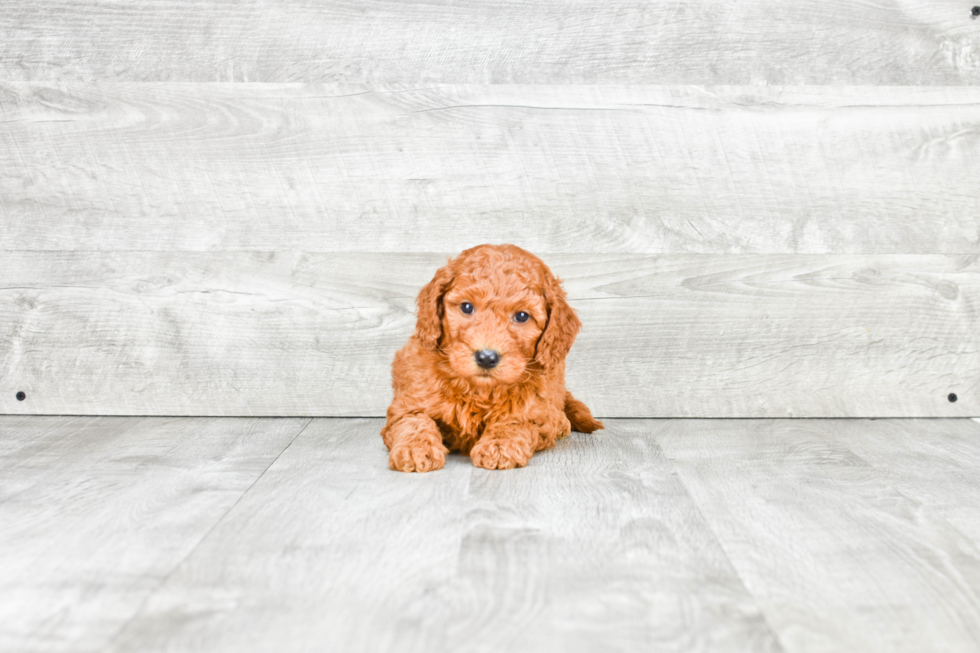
(499, 417)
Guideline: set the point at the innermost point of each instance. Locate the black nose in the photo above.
(487, 359)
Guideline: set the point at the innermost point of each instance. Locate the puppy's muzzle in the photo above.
(487, 358)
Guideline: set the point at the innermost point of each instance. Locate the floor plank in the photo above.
(934, 462)
(97, 511)
(838, 558)
(596, 546)
(593, 544)
(133, 534)
(325, 552)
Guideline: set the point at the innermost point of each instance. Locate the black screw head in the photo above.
(952, 397)
(975, 11)
(21, 396)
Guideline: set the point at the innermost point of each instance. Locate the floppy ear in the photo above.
(428, 325)
(563, 325)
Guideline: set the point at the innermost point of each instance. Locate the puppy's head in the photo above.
(492, 311)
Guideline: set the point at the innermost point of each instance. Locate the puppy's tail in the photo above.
(580, 416)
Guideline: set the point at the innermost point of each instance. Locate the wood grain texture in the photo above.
(505, 41)
(838, 558)
(153, 534)
(595, 545)
(299, 333)
(97, 512)
(327, 552)
(932, 462)
(557, 169)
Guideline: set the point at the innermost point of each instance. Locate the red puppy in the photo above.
(484, 372)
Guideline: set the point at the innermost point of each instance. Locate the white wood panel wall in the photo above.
(559, 168)
(904, 42)
(761, 208)
(294, 333)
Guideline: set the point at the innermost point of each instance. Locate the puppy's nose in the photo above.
(487, 358)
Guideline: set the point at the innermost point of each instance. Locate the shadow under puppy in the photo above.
(484, 372)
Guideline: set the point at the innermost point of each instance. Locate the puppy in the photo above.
(484, 372)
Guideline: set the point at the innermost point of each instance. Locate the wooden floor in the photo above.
(291, 534)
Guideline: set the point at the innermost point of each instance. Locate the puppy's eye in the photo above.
(522, 317)
(466, 307)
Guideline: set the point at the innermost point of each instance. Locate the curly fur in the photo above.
(499, 417)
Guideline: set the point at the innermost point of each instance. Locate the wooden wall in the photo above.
(760, 208)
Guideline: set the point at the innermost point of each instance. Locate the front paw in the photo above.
(564, 427)
(417, 456)
(499, 453)
(552, 429)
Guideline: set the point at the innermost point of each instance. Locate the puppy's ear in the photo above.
(563, 325)
(428, 325)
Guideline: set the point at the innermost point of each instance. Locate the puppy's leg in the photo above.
(552, 426)
(415, 443)
(505, 445)
(580, 416)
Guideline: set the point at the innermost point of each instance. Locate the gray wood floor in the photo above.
(290, 534)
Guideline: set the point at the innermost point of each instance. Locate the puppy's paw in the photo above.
(499, 453)
(564, 427)
(417, 456)
(551, 429)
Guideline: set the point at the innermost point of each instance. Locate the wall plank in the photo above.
(559, 168)
(299, 333)
(503, 41)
